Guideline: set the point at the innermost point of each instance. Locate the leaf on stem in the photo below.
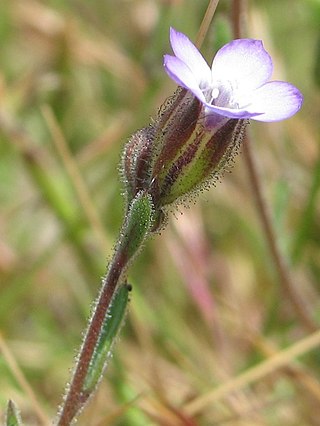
(109, 331)
(139, 221)
(13, 415)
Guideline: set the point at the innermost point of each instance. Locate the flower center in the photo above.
(222, 94)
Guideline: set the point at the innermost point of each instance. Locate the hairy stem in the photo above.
(138, 222)
(76, 398)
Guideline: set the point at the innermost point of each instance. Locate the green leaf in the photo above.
(13, 415)
(110, 329)
(139, 221)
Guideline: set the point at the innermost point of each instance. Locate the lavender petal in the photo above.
(182, 75)
(277, 99)
(244, 61)
(187, 52)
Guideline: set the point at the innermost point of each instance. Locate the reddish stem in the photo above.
(76, 397)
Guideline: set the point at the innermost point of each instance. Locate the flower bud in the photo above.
(178, 154)
(136, 160)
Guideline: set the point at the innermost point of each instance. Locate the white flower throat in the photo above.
(222, 93)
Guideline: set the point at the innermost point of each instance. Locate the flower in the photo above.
(177, 155)
(237, 85)
(199, 129)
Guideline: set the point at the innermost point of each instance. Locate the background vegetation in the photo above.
(210, 316)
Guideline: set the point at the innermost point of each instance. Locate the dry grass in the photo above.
(212, 336)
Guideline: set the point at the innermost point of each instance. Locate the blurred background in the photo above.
(208, 304)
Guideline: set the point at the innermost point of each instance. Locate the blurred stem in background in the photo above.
(285, 277)
(36, 166)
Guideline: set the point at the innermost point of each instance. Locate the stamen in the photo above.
(214, 93)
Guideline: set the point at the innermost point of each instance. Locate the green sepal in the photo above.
(109, 331)
(13, 415)
(139, 221)
(203, 160)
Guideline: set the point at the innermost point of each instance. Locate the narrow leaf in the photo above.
(109, 332)
(139, 221)
(13, 415)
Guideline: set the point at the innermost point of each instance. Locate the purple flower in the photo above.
(237, 84)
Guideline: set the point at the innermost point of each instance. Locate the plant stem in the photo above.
(281, 265)
(137, 224)
(286, 280)
(206, 21)
(76, 398)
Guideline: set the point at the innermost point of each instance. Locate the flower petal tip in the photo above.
(278, 99)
